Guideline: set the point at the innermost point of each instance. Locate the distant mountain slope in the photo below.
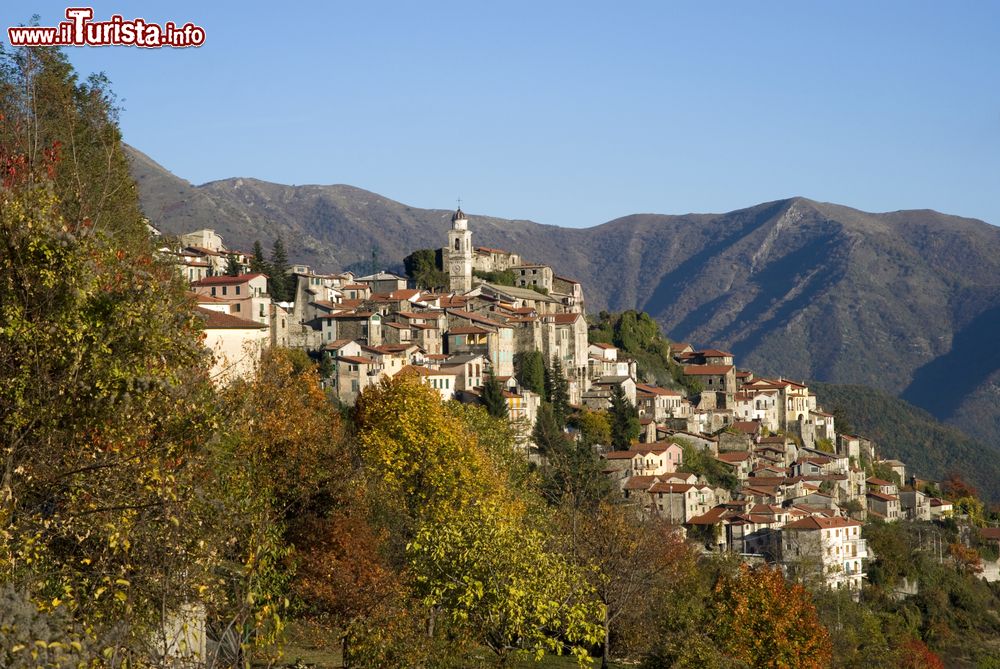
(908, 302)
(929, 448)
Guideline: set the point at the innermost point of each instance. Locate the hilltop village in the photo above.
(775, 481)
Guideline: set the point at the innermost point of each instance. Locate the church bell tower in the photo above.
(459, 255)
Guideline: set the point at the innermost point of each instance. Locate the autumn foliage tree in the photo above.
(104, 510)
(758, 618)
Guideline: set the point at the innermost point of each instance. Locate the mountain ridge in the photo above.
(902, 301)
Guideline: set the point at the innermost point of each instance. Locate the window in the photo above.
(262, 310)
(237, 290)
(457, 243)
(354, 385)
(213, 290)
(238, 307)
(223, 290)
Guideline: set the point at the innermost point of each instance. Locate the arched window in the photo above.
(457, 243)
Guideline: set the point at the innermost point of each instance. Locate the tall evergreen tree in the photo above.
(557, 391)
(280, 280)
(258, 265)
(625, 426)
(232, 267)
(529, 368)
(493, 399)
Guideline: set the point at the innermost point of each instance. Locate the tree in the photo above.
(547, 434)
(557, 391)
(628, 560)
(594, 426)
(757, 618)
(341, 574)
(282, 289)
(701, 462)
(422, 268)
(625, 427)
(105, 393)
(491, 573)
(529, 369)
(232, 266)
(258, 265)
(283, 463)
(493, 398)
(419, 455)
(57, 130)
(914, 654)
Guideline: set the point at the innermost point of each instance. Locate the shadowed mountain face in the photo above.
(907, 302)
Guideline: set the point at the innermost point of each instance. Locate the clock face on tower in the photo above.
(456, 268)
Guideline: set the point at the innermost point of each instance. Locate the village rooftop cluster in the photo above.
(801, 491)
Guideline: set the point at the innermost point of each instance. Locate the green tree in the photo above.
(281, 281)
(700, 462)
(494, 575)
(58, 130)
(529, 368)
(501, 278)
(104, 385)
(493, 399)
(629, 561)
(232, 266)
(625, 427)
(258, 265)
(557, 391)
(594, 427)
(421, 267)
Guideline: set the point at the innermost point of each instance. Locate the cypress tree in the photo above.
(258, 265)
(529, 368)
(557, 391)
(493, 399)
(279, 272)
(625, 427)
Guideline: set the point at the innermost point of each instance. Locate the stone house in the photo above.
(362, 326)
(915, 505)
(382, 282)
(719, 379)
(657, 403)
(828, 548)
(246, 294)
(485, 259)
(533, 276)
(568, 292)
(352, 374)
(886, 507)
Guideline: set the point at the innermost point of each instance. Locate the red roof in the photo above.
(216, 320)
(871, 480)
(715, 353)
(818, 523)
(226, 280)
(357, 360)
(471, 329)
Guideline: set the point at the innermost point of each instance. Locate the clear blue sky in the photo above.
(574, 113)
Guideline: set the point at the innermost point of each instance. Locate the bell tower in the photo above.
(459, 255)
